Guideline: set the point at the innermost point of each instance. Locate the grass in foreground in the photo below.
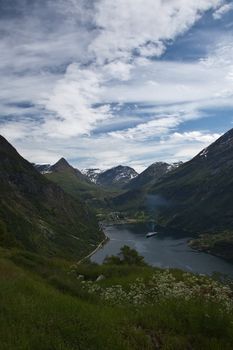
(43, 305)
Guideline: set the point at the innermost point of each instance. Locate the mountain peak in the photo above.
(219, 151)
(2, 139)
(116, 176)
(6, 146)
(152, 174)
(63, 161)
(62, 165)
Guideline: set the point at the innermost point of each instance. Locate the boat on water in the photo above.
(150, 234)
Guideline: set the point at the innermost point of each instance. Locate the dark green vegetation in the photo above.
(150, 175)
(197, 196)
(48, 301)
(37, 215)
(200, 192)
(127, 256)
(217, 244)
(44, 306)
(78, 185)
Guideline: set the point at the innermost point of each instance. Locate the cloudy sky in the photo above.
(104, 82)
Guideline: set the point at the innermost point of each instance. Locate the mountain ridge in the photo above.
(117, 176)
(151, 174)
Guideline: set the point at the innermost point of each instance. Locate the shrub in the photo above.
(127, 256)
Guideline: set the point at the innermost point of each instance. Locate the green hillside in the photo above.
(78, 185)
(46, 305)
(150, 175)
(200, 192)
(38, 215)
(50, 302)
(197, 196)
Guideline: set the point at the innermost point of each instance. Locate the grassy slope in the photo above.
(42, 306)
(95, 196)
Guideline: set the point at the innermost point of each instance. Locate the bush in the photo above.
(127, 256)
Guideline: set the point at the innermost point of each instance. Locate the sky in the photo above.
(104, 82)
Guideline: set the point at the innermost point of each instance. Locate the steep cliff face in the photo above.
(37, 214)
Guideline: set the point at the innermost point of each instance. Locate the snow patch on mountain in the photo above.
(204, 153)
(174, 166)
(92, 174)
(43, 168)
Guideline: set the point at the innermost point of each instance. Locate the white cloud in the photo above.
(106, 151)
(72, 59)
(221, 11)
(144, 24)
(68, 98)
(153, 128)
(152, 49)
(72, 102)
(118, 70)
(196, 136)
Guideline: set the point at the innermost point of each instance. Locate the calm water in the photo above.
(166, 249)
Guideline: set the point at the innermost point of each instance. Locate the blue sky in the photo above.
(104, 83)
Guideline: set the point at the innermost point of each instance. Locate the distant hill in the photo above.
(37, 215)
(92, 174)
(150, 175)
(76, 183)
(116, 177)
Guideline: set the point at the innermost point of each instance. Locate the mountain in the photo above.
(196, 196)
(42, 168)
(199, 193)
(77, 184)
(116, 177)
(92, 174)
(37, 215)
(62, 166)
(152, 174)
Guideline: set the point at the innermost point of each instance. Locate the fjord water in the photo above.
(168, 249)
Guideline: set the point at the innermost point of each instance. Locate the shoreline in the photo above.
(100, 245)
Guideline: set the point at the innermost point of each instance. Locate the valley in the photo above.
(194, 197)
(77, 267)
(116, 175)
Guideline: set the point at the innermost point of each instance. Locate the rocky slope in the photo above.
(92, 174)
(116, 177)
